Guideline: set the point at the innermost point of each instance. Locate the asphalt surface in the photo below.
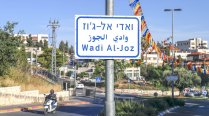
(192, 108)
(79, 110)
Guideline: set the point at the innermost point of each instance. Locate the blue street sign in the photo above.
(98, 79)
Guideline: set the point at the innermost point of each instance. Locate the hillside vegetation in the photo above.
(16, 77)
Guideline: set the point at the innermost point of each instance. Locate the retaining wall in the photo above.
(146, 92)
(13, 96)
(14, 89)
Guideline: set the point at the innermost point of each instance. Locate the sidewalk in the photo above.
(25, 107)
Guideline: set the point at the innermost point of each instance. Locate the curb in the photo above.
(24, 109)
(167, 111)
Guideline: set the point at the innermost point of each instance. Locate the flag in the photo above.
(165, 57)
(204, 71)
(147, 37)
(143, 25)
(189, 65)
(199, 69)
(139, 62)
(153, 45)
(147, 30)
(194, 67)
(149, 50)
(137, 10)
(133, 3)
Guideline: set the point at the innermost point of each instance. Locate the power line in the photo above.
(54, 25)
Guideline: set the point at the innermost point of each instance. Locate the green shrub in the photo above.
(179, 102)
(147, 108)
(149, 111)
(159, 104)
(169, 100)
(133, 108)
(155, 94)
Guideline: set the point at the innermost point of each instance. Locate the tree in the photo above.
(119, 67)
(66, 47)
(9, 28)
(62, 46)
(45, 58)
(179, 60)
(71, 50)
(184, 78)
(99, 68)
(82, 74)
(29, 41)
(40, 44)
(11, 53)
(45, 46)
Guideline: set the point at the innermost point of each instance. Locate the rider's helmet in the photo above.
(51, 91)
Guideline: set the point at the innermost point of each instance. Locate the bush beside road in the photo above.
(150, 107)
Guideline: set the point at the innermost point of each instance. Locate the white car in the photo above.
(80, 86)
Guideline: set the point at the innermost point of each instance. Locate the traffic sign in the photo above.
(98, 79)
(129, 80)
(107, 37)
(171, 78)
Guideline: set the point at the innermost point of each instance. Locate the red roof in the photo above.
(195, 53)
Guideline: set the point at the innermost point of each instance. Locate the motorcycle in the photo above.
(49, 105)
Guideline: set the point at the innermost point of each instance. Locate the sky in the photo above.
(33, 16)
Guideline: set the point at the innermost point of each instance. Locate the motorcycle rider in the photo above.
(53, 100)
(52, 96)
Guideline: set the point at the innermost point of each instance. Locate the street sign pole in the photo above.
(109, 86)
(129, 86)
(95, 89)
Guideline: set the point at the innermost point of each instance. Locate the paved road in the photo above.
(81, 110)
(192, 108)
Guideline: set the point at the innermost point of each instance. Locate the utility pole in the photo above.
(31, 60)
(109, 87)
(54, 25)
(172, 11)
(36, 56)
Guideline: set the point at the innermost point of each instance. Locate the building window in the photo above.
(136, 73)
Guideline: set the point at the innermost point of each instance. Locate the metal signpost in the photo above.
(108, 37)
(172, 79)
(129, 81)
(97, 80)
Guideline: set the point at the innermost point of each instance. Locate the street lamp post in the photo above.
(172, 11)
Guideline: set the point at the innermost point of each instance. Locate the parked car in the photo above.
(192, 93)
(197, 93)
(189, 94)
(80, 86)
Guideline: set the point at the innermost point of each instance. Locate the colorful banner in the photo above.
(147, 39)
